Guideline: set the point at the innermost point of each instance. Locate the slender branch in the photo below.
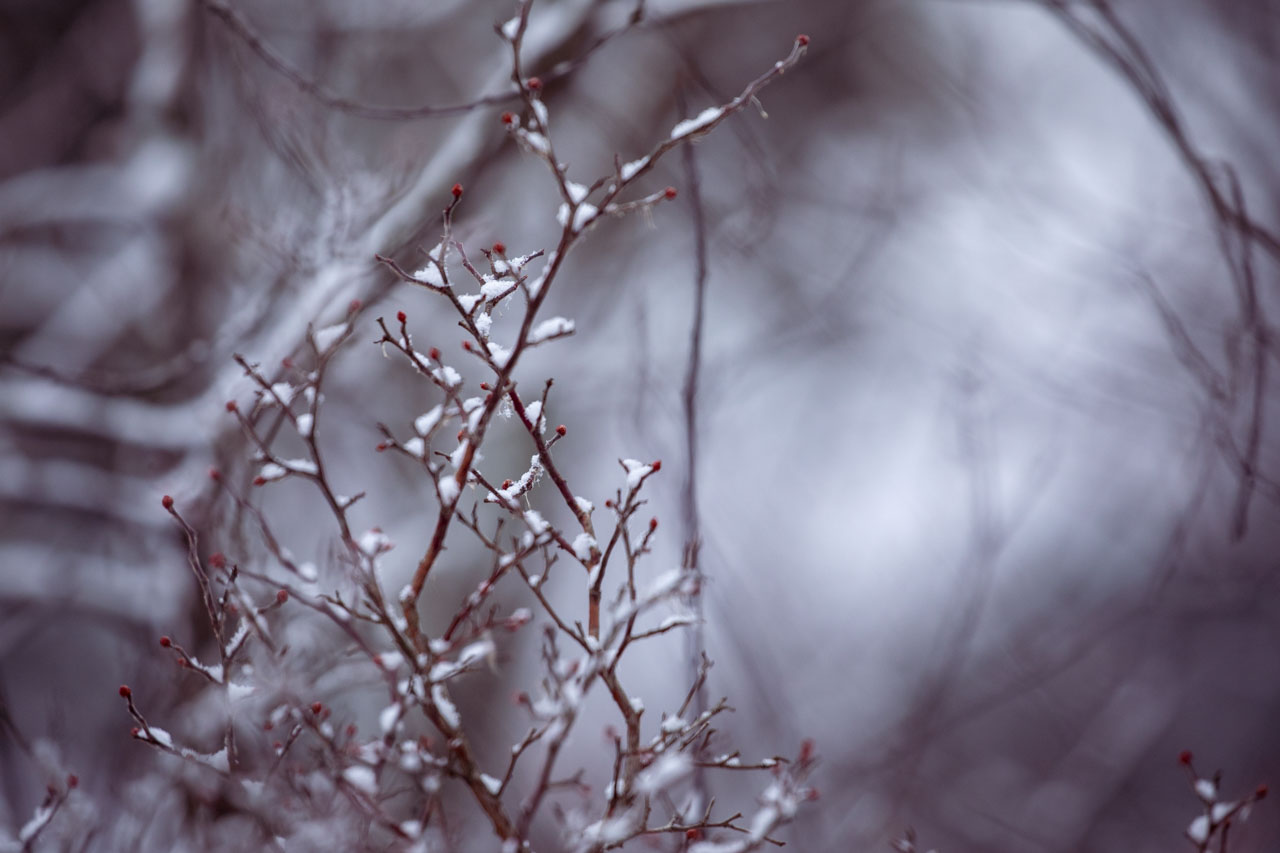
(695, 639)
(239, 25)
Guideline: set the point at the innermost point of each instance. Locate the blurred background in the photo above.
(987, 406)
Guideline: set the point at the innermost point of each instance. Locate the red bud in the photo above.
(457, 190)
(669, 193)
(400, 316)
(802, 40)
(166, 502)
(125, 692)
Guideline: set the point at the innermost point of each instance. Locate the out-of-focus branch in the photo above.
(695, 637)
(1252, 343)
(238, 24)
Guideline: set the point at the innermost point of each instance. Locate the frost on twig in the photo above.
(290, 642)
(1212, 827)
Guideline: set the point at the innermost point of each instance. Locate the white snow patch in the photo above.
(236, 691)
(374, 542)
(450, 377)
(282, 390)
(39, 819)
(391, 660)
(448, 489)
(499, 354)
(582, 545)
(389, 718)
(663, 773)
(495, 287)
(445, 706)
(424, 423)
(479, 650)
(271, 471)
(664, 584)
(693, 125)
(674, 620)
(1198, 831)
(1221, 810)
(540, 110)
(301, 466)
(636, 471)
(431, 275)
(459, 453)
(582, 214)
(361, 778)
(328, 336)
(629, 170)
(533, 412)
(610, 830)
(550, 328)
(535, 286)
(536, 141)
